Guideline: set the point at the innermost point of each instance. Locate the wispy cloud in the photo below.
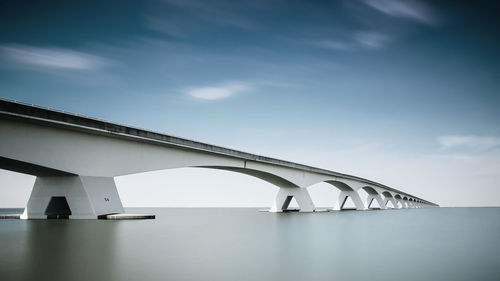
(408, 9)
(333, 45)
(357, 40)
(218, 92)
(52, 58)
(469, 142)
(371, 40)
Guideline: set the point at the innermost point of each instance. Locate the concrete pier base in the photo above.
(354, 197)
(127, 217)
(285, 195)
(10, 216)
(75, 197)
(393, 202)
(380, 201)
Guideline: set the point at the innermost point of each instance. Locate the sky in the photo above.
(405, 93)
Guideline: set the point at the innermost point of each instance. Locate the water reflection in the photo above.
(69, 250)
(243, 244)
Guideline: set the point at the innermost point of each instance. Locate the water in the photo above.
(243, 244)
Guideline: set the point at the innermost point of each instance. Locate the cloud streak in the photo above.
(333, 45)
(358, 40)
(371, 40)
(408, 9)
(468, 142)
(50, 58)
(218, 92)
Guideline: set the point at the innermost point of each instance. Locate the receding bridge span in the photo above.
(75, 159)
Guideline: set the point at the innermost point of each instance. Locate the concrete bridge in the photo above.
(75, 159)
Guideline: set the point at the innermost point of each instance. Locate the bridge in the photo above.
(75, 159)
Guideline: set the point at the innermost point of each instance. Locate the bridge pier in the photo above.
(392, 200)
(76, 197)
(344, 194)
(398, 204)
(404, 204)
(380, 201)
(285, 195)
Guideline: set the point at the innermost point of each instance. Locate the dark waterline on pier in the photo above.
(243, 244)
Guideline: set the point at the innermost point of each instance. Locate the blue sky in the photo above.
(403, 92)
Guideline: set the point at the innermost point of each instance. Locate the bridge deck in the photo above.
(16, 109)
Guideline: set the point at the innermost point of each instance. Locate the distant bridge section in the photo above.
(75, 159)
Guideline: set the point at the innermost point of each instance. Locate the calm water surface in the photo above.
(243, 244)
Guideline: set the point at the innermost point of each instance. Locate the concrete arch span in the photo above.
(388, 197)
(346, 191)
(294, 185)
(399, 201)
(85, 192)
(265, 176)
(89, 197)
(373, 194)
(287, 189)
(404, 202)
(411, 203)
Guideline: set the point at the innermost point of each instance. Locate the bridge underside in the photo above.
(88, 197)
(30, 169)
(91, 197)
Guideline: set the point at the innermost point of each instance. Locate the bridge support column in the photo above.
(404, 204)
(393, 201)
(400, 201)
(371, 197)
(75, 197)
(355, 198)
(285, 195)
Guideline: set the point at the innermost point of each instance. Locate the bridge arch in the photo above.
(388, 198)
(387, 194)
(194, 186)
(399, 201)
(373, 195)
(288, 190)
(265, 176)
(324, 195)
(404, 202)
(370, 190)
(346, 191)
(342, 186)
